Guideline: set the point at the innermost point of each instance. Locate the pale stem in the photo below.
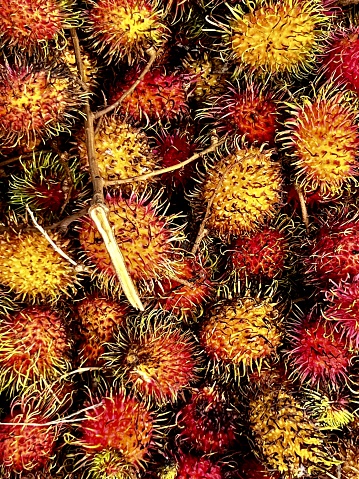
(303, 206)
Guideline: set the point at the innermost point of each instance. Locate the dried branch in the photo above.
(303, 206)
(146, 176)
(153, 55)
(65, 223)
(98, 210)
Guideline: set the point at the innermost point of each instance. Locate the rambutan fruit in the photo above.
(284, 436)
(160, 96)
(322, 138)
(208, 423)
(172, 148)
(340, 57)
(98, 317)
(117, 436)
(343, 310)
(32, 270)
(252, 468)
(349, 455)
(27, 440)
(186, 300)
(28, 24)
(332, 255)
(125, 29)
(47, 184)
(318, 355)
(275, 38)
(155, 357)
(238, 334)
(37, 101)
(146, 238)
(122, 151)
(192, 467)
(249, 110)
(35, 349)
(245, 188)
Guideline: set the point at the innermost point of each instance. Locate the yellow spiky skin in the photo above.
(276, 37)
(31, 268)
(125, 29)
(122, 151)
(246, 187)
(322, 137)
(349, 453)
(284, 436)
(241, 332)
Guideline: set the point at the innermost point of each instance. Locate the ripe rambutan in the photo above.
(157, 359)
(284, 436)
(47, 184)
(98, 317)
(117, 436)
(252, 468)
(318, 355)
(27, 440)
(159, 96)
(246, 191)
(322, 136)
(35, 349)
(125, 29)
(32, 270)
(240, 333)
(146, 239)
(27, 24)
(208, 423)
(173, 148)
(186, 300)
(340, 59)
(122, 151)
(332, 256)
(191, 467)
(248, 110)
(37, 101)
(276, 38)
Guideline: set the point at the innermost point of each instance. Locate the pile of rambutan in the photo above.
(179, 239)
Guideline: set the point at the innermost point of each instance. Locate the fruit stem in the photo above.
(303, 206)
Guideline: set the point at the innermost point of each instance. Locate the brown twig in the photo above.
(303, 206)
(98, 209)
(194, 157)
(65, 223)
(153, 55)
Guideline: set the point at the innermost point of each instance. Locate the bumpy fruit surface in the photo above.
(155, 358)
(246, 187)
(32, 270)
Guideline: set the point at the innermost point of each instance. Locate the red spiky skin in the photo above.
(318, 353)
(120, 423)
(207, 423)
(172, 150)
(342, 58)
(26, 448)
(333, 256)
(159, 96)
(344, 311)
(251, 468)
(190, 467)
(260, 254)
(250, 112)
(183, 300)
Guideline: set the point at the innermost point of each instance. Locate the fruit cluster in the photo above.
(179, 239)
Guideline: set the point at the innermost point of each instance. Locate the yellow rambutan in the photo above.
(31, 268)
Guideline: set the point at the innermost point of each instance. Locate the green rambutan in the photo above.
(32, 270)
(35, 349)
(322, 138)
(125, 29)
(146, 238)
(98, 317)
(276, 38)
(27, 24)
(48, 184)
(245, 188)
(160, 96)
(117, 436)
(37, 101)
(154, 357)
(238, 334)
